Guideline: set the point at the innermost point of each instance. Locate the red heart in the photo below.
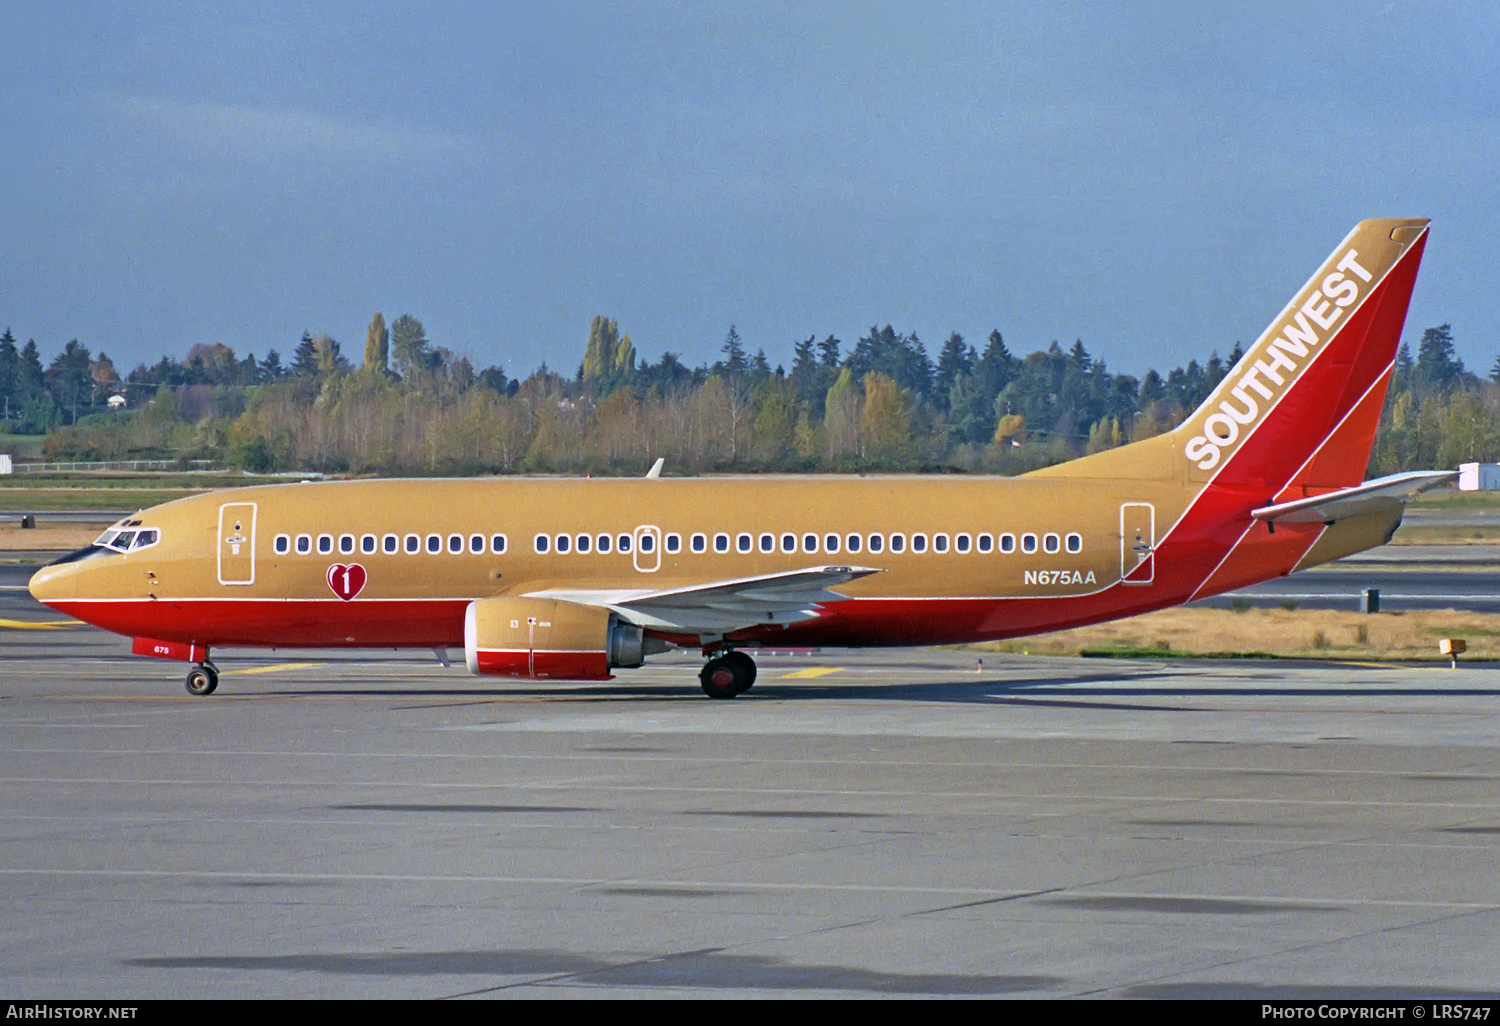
(346, 581)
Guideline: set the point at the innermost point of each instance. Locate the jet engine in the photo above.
(550, 638)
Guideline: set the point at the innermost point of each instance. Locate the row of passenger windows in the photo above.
(831, 544)
(811, 543)
(390, 544)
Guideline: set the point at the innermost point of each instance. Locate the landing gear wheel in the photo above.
(744, 668)
(201, 680)
(728, 675)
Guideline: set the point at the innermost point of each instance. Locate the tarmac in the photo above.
(882, 823)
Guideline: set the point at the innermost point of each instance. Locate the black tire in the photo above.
(744, 669)
(720, 678)
(201, 681)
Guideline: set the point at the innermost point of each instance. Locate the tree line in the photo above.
(411, 406)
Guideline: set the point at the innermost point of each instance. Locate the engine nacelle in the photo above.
(548, 638)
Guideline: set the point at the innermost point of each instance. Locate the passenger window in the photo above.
(789, 543)
(961, 543)
(767, 543)
(603, 543)
(583, 543)
(283, 544)
(1007, 543)
(325, 543)
(700, 543)
(721, 543)
(624, 545)
(830, 543)
(648, 542)
(390, 543)
(1028, 543)
(742, 543)
(476, 544)
(940, 543)
(368, 543)
(542, 542)
(346, 543)
(809, 543)
(1075, 542)
(919, 543)
(853, 541)
(456, 544)
(985, 543)
(876, 543)
(434, 543)
(497, 543)
(674, 543)
(898, 542)
(564, 543)
(1051, 543)
(304, 544)
(413, 543)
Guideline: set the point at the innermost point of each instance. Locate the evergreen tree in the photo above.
(1437, 366)
(29, 375)
(734, 362)
(954, 360)
(409, 345)
(10, 368)
(69, 380)
(305, 359)
(760, 367)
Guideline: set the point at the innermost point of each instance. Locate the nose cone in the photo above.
(52, 584)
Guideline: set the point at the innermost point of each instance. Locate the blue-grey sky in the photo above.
(1153, 178)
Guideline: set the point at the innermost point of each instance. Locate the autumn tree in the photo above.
(377, 346)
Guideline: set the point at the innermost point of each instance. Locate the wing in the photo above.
(718, 607)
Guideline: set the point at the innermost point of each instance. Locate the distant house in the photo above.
(117, 402)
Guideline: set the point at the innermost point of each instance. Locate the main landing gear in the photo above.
(727, 675)
(202, 679)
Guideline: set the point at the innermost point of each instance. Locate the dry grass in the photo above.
(1314, 633)
(47, 537)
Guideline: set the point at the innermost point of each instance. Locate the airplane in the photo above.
(567, 579)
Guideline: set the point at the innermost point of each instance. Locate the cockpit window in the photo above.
(116, 540)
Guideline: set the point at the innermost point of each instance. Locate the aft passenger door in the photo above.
(237, 543)
(1137, 543)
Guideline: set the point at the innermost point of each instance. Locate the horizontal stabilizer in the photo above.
(1383, 493)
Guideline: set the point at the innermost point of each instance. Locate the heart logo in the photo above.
(346, 581)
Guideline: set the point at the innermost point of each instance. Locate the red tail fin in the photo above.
(1298, 413)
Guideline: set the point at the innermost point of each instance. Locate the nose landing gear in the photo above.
(202, 679)
(727, 675)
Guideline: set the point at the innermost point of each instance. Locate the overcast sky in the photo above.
(1155, 179)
